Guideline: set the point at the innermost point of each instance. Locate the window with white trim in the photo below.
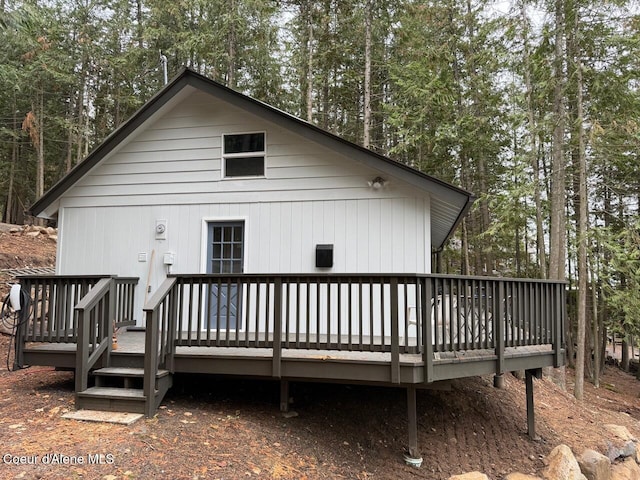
(243, 155)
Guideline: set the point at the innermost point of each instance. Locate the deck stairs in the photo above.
(120, 389)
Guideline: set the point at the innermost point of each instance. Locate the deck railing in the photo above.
(49, 316)
(432, 315)
(49, 312)
(125, 301)
(160, 313)
(95, 320)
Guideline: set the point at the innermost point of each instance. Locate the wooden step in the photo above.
(126, 372)
(119, 389)
(115, 393)
(111, 399)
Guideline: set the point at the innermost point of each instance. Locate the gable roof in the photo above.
(449, 204)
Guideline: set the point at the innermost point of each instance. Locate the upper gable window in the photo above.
(243, 155)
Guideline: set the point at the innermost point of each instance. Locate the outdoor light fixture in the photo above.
(377, 183)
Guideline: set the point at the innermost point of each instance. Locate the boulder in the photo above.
(53, 237)
(562, 465)
(470, 476)
(625, 470)
(594, 465)
(33, 234)
(617, 449)
(521, 476)
(620, 432)
(14, 230)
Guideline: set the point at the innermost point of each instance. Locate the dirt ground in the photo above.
(217, 428)
(231, 429)
(23, 251)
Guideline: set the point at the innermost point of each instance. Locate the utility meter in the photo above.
(161, 229)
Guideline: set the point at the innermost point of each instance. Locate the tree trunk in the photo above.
(40, 147)
(583, 272)
(8, 216)
(624, 364)
(595, 325)
(558, 222)
(139, 31)
(533, 155)
(366, 138)
(557, 232)
(309, 63)
(231, 52)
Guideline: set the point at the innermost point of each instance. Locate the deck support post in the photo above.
(498, 380)
(284, 396)
(413, 455)
(531, 419)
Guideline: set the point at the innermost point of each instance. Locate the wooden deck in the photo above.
(410, 331)
(303, 364)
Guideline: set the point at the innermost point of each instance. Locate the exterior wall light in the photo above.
(377, 183)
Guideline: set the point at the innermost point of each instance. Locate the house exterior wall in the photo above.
(172, 171)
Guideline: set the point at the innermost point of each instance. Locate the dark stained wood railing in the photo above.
(432, 315)
(160, 313)
(50, 316)
(125, 301)
(95, 320)
(322, 312)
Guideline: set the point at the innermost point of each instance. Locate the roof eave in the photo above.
(463, 213)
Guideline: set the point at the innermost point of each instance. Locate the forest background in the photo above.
(533, 106)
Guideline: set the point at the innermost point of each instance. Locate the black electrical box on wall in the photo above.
(324, 256)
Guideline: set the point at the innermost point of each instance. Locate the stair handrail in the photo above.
(154, 341)
(95, 317)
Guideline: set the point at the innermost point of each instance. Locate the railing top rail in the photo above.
(62, 277)
(159, 294)
(491, 278)
(327, 276)
(94, 295)
(126, 279)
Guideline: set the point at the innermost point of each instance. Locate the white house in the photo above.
(317, 252)
(203, 179)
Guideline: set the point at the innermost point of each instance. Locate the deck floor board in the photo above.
(133, 342)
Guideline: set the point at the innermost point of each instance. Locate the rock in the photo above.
(470, 476)
(626, 470)
(594, 465)
(43, 230)
(33, 234)
(562, 465)
(51, 231)
(14, 230)
(616, 451)
(53, 237)
(520, 476)
(621, 432)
